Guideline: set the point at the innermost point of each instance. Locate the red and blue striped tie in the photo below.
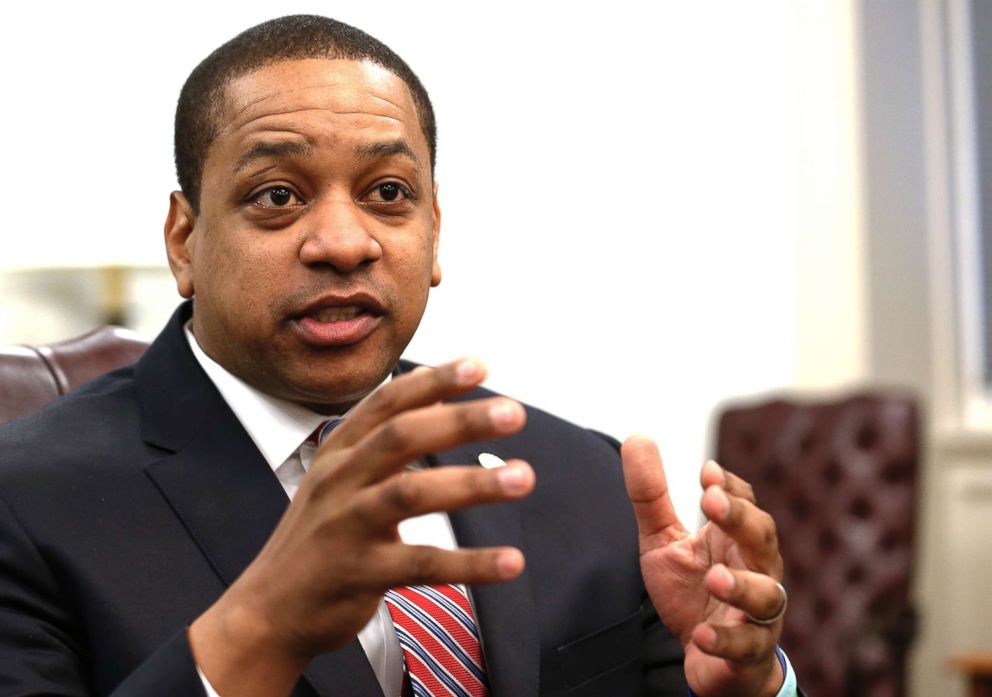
(436, 630)
(440, 641)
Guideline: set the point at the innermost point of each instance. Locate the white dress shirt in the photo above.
(279, 430)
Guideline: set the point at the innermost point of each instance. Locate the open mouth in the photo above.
(338, 322)
(328, 315)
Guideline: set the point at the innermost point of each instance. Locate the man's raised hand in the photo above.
(704, 585)
(320, 576)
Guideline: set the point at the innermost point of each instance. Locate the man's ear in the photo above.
(180, 242)
(436, 269)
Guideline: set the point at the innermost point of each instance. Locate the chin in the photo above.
(346, 387)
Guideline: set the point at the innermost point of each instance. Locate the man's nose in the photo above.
(338, 236)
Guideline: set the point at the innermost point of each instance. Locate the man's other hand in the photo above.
(320, 576)
(704, 585)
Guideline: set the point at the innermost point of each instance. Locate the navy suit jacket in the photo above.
(129, 506)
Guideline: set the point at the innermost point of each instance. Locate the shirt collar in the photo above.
(276, 426)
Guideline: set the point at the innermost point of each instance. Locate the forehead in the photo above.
(341, 97)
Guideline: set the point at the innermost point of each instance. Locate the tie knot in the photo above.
(322, 431)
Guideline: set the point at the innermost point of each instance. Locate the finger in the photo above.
(647, 488)
(419, 388)
(743, 643)
(756, 594)
(712, 474)
(403, 438)
(442, 489)
(750, 527)
(412, 565)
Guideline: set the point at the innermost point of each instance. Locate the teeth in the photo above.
(336, 314)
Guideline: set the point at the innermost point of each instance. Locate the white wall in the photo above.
(621, 238)
(832, 322)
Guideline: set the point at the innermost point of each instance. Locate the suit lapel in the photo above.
(224, 493)
(505, 610)
(220, 486)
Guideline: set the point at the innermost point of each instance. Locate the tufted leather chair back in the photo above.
(32, 376)
(840, 480)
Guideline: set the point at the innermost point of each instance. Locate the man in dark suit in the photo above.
(146, 547)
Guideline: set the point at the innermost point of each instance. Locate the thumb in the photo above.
(647, 489)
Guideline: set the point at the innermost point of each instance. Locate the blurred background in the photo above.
(651, 211)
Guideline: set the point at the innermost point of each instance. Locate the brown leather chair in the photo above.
(32, 376)
(839, 478)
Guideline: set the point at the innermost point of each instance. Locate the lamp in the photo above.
(61, 287)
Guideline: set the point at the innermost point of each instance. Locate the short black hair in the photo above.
(294, 37)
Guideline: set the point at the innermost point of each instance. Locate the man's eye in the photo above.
(390, 192)
(277, 197)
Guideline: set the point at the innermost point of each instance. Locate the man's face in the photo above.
(316, 243)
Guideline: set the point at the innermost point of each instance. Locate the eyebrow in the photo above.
(273, 148)
(388, 148)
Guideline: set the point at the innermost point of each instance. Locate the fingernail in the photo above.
(510, 563)
(505, 414)
(514, 479)
(705, 637)
(723, 475)
(721, 500)
(469, 371)
(728, 577)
